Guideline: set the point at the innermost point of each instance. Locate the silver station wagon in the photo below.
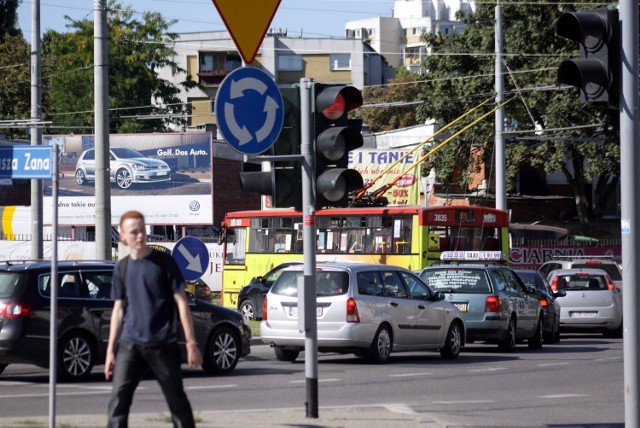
(496, 305)
(370, 310)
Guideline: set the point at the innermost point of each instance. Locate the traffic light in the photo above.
(597, 72)
(334, 136)
(283, 182)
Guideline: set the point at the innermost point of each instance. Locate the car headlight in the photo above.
(140, 167)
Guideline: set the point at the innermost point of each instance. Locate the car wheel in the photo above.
(380, 348)
(2, 367)
(536, 341)
(556, 338)
(76, 356)
(222, 352)
(617, 333)
(453, 343)
(508, 344)
(247, 310)
(285, 354)
(81, 179)
(124, 180)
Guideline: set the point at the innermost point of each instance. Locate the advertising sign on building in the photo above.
(372, 164)
(165, 176)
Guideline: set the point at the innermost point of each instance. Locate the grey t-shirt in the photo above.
(150, 284)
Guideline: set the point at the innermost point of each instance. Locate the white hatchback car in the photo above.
(370, 310)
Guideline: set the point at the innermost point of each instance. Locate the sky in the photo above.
(309, 18)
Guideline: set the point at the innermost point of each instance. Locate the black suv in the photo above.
(84, 312)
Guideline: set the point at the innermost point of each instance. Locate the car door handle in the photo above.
(394, 304)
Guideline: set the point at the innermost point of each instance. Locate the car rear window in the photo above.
(12, 285)
(457, 280)
(610, 268)
(581, 282)
(328, 283)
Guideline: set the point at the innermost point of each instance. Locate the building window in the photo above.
(289, 62)
(372, 32)
(358, 33)
(340, 62)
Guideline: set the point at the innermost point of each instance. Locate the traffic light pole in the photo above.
(630, 206)
(307, 290)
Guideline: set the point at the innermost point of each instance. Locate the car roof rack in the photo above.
(576, 257)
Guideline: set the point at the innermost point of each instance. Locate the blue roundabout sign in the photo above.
(249, 110)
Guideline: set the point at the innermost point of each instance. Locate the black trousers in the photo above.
(132, 362)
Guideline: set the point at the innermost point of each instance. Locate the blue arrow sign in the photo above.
(192, 256)
(26, 162)
(249, 110)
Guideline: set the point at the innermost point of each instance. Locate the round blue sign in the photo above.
(192, 256)
(249, 110)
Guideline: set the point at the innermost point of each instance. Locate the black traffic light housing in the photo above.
(335, 135)
(597, 72)
(284, 182)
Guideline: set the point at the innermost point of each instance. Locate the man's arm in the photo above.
(194, 358)
(115, 328)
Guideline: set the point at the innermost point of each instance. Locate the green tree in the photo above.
(384, 115)
(9, 19)
(578, 139)
(139, 99)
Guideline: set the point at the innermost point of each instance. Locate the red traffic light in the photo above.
(333, 102)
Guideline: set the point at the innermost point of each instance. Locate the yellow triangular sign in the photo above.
(247, 21)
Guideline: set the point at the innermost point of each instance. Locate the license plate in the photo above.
(293, 312)
(162, 173)
(584, 314)
(461, 306)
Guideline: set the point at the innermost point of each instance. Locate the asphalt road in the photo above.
(578, 382)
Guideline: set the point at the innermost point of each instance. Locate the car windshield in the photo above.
(456, 280)
(122, 153)
(611, 269)
(328, 283)
(581, 282)
(11, 284)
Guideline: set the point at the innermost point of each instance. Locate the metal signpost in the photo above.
(192, 256)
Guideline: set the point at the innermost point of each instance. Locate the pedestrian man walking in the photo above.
(148, 290)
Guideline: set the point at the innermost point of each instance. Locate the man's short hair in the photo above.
(137, 215)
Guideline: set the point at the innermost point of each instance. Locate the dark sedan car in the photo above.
(84, 313)
(548, 300)
(251, 296)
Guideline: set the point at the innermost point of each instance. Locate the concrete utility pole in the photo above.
(101, 102)
(501, 152)
(36, 133)
(630, 206)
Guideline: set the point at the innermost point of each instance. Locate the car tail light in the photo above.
(14, 310)
(554, 283)
(492, 304)
(352, 311)
(593, 262)
(264, 309)
(610, 284)
(544, 302)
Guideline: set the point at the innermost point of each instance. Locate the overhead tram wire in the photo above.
(375, 197)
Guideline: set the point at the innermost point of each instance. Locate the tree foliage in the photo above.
(578, 139)
(9, 19)
(139, 99)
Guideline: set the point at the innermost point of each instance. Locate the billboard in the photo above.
(372, 163)
(165, 176)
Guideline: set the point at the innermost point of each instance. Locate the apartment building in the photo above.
(210, 56)
(397, 37)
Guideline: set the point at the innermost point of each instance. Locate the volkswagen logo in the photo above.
(194, 205)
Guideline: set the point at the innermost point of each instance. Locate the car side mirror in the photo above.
(259, 279)
(531, 289)
(190, 297)
(559, 293)
(439, 295)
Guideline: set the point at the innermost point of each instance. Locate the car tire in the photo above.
(2, 367)
(508, 344)
(124, 179)
(81, 178)
(536, 341)
(381, 347)
(453, 342)
(285, 354)
(222, 352)
(76, 356)
(616, 334)
(248, 310)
